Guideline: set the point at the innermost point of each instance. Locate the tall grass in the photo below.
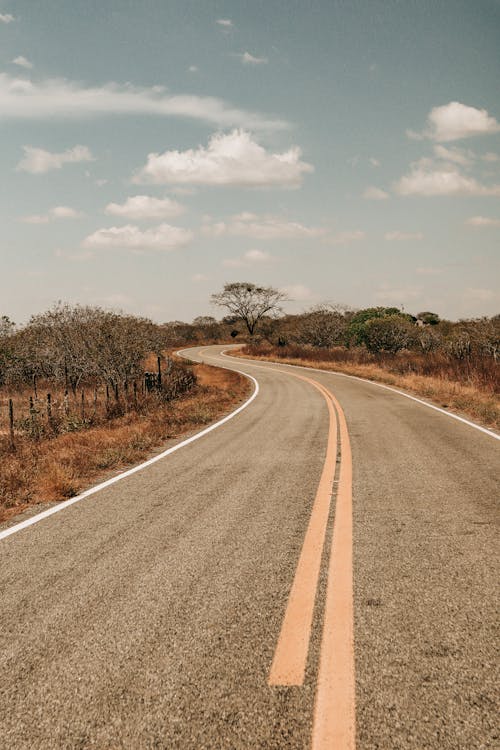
(59, 466)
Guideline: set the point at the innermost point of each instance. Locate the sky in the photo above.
(342, 151)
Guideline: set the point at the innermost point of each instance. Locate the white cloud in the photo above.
(482, 221)
(65, 212)
(429, 271)
(261, 228)
(403, 236)
(297, 292)
(250, 258)
(229, 159)
(59, 98)
(490, 157)
(6, 18)
(36, 219)
(140, 207)
(199, 277)
(58, 212)
(425, 179)
(193, 69)
(453, 121)
(397, 295)
(39, 161)
(101, 182)
(375, 194)
(248, 59)
(455, 155)
(374, 162)
(478, 295)
(183, 191)
(23, 62)
(162, 237)
(78, 257)
(347, 237)
(226, 23)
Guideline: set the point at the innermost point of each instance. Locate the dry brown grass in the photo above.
(482, 405)
(60, 467)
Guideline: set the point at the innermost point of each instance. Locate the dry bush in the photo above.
(472, 389)
(60, 467)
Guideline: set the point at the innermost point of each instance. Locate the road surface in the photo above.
(150, 615)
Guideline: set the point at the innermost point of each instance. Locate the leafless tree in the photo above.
(249, 303)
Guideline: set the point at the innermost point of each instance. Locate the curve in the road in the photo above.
(15, 528)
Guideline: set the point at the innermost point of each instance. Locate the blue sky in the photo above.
(344, 151)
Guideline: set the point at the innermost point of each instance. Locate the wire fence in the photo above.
(45, 409)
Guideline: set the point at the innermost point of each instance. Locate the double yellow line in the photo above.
(334, 712)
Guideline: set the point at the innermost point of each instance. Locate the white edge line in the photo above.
(98, 487)
(379, 385)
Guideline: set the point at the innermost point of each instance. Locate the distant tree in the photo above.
(389, 333)
(324, 325)
(429, 318)
(6, 327)
(249, 303)
(357, 331)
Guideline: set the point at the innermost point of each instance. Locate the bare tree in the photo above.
(249, 303)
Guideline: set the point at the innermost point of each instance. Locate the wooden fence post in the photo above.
(49, 407)
(159, 374)
(11, 425)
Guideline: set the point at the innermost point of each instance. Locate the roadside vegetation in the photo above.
(84, 391)
(455, 364)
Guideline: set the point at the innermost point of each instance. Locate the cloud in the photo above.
(193, 69)
(23, 62)
(428, 180)
(454, 121)
(347, 237)
(374, 162)
(65, 212)
(6, 18)
(265, 227)
(162, 237)
(455, 155)
(429, 271)
(140, 207)
(482, 221)
(250, 258)
(297, 292)
(58, 212)
(183, 191)
(39, 161)
(199, 277)
(226, 23)
(62, 99)
(36, 219)
(375, 194)
(78, 257)
(396, 295)
(403, 236)
(478, 295)
(248, 59)
(490, 157)
(229, 159)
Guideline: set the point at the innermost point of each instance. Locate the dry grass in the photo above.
(482, 405)
(60, 467)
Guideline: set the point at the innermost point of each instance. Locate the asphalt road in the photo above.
(148, 615)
